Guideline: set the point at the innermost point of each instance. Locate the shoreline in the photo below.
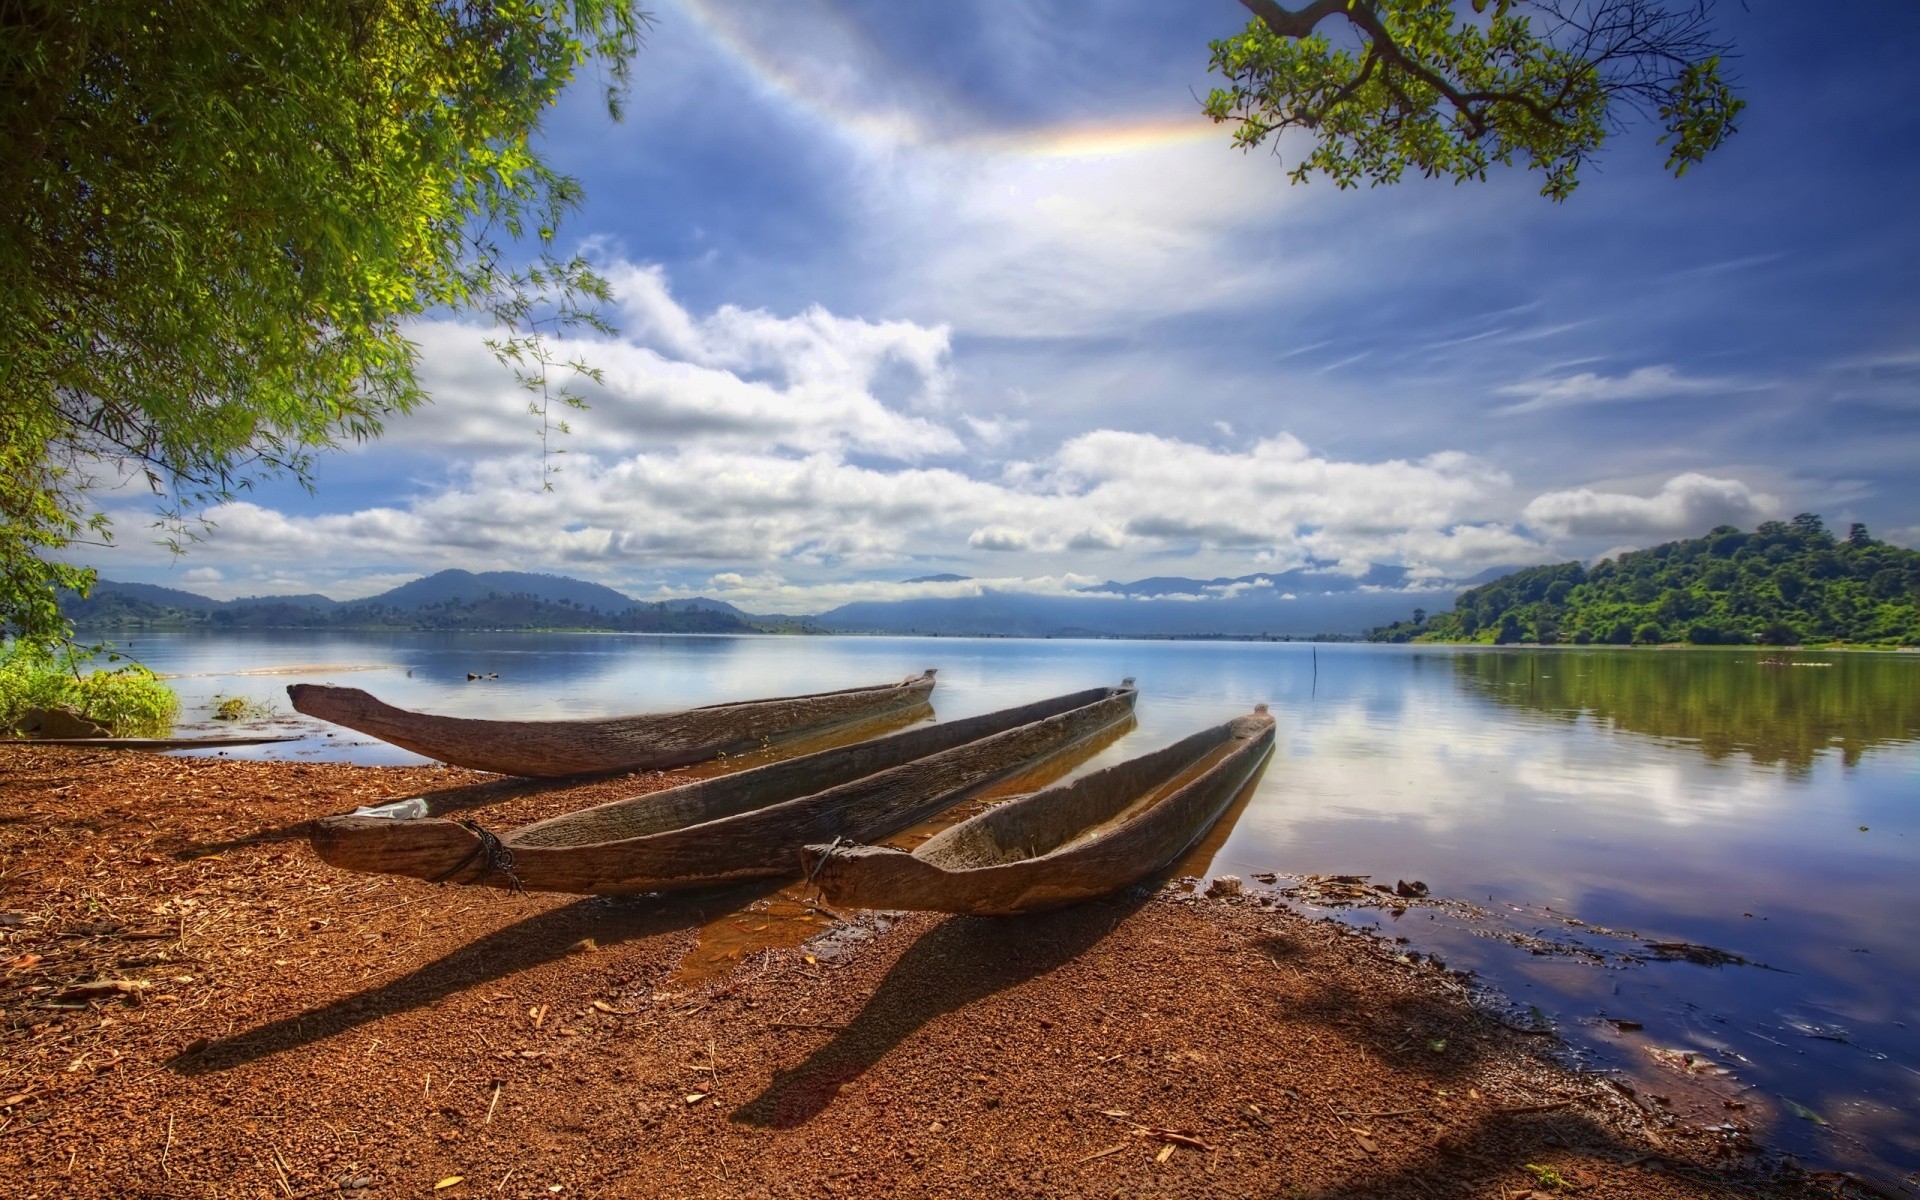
(261, 1023)
(1322, 639)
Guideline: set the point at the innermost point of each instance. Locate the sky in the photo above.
(974, 288)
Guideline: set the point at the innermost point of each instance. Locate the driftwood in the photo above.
(1056, 847)
(748, 825)
(651, 741)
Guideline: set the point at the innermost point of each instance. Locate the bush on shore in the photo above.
(129, 700)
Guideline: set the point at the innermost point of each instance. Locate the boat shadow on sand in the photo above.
(958, 962)
(540, 939)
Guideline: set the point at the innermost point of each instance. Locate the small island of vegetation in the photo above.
(1786, 583)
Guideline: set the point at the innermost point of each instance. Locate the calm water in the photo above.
(1712, 797)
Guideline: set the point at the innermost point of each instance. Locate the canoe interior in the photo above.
(746, 791)
(925, 676)
(1069, 843)
(1075, 814)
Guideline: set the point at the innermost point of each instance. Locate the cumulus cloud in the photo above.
(1589, 387)
(1687, 504)
(999, 537)
(736, 449)
(809, 382)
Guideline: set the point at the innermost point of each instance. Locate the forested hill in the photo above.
(413, 606)
(1786, 583)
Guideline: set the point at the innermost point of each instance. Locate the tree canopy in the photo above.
(1786, 583)
(220, 215)
(1449, 90)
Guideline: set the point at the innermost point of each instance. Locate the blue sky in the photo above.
(975, 288)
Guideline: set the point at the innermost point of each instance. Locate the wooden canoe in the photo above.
(1063, 845)
(748, 825)
(596, 745)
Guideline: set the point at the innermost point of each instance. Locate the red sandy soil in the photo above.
(263, 1025)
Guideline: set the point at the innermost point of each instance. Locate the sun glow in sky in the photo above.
(975, 288)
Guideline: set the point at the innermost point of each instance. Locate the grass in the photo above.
(241, 708)
(129, 700)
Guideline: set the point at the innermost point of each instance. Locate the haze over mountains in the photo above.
(1296, 603)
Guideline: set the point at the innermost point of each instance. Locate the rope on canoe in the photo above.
(492, 849)
(831, 847)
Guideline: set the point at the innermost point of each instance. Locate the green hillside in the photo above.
(1786, 583)
(112, 608)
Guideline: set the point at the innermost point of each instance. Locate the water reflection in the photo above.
(1705, 797)
(1774, 707)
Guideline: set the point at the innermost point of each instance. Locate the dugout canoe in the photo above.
(597, 745)
(1065, 844)
(748, 825)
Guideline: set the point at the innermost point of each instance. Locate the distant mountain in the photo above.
(1786, 583)
(152, 595)
(938, 579)
(1297, 603)
(703, 604)
(1019, 614)
(312, 600)
(1301, 602)
(466, 587)
(447, 600)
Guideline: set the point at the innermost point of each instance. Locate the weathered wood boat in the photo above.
(596, 745)
(1066, 844)
(748, 825)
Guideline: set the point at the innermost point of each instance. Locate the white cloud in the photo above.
(999, 537)
(994, 430)
(808, 383)
(1228, 591)
(771, 592)
(1588, 387)
(737, 447)
(1686, 505)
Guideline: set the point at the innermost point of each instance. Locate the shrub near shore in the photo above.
(129, 700)
(1786, 583)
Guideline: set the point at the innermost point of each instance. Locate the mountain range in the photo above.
(1302, 602)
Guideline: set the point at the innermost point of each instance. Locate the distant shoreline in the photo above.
(1329, 639)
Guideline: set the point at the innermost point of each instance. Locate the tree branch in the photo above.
(1361, 15)
(1291, 24)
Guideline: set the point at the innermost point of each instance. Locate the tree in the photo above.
(1425, 85)
(220, 216)
(1803, 587)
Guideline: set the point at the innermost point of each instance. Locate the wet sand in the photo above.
(194, 1005)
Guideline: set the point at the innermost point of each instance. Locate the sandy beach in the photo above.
(196, 1006)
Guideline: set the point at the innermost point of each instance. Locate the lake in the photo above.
(1567, 807)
